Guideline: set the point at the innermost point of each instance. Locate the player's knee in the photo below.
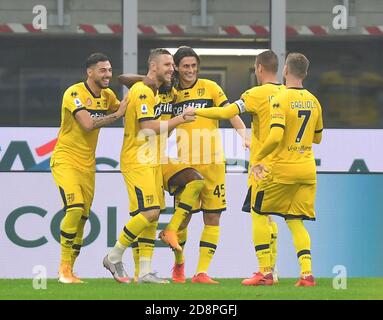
(196, 186)
(72, 217)
(151, 215)
(185, 222)
(294, 223)
(211, 219)
(187, 176)
(194, 175)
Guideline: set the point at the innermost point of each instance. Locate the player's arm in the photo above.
(129, 79)
(277, 130)
(239, 126)
(152, 127)
(318, 127)
(271, 143)
(219, 113)
(113, 103)
(317, 136)
(147, 120)
(89, 123)
(226, 112)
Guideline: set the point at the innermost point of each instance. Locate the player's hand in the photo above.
(188, 114)
(188, 118)
(259, 171)
(189, 111)
(122, 109)
(246, 141)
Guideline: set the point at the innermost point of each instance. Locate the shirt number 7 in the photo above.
(306, 114)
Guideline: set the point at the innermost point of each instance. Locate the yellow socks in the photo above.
(207, 247)
(132, 229)
(302, 245)
(261, 240)
(188, 198)
(69, 228)
(136, 258)
(179, 255)
(273, 243)
(146, 241)
(130, 232)
(77, 243)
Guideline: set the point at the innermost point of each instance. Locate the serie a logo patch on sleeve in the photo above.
(77, 102)
(144, 109)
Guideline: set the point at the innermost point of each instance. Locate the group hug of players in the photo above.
(286, 121)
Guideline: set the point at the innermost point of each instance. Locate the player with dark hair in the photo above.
(199, 145)
(84, 110)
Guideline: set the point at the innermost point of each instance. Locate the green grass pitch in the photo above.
(228, 289)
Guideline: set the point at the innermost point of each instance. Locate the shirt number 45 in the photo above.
(219, 190)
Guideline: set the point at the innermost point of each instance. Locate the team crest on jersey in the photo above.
(74, 94)
(70, 197)
(149, 199)
(77, 102)
(144, 109)
(88, 102)
(201, 92)
(142, 96)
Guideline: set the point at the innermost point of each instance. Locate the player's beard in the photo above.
(101, 85)
(164, 80)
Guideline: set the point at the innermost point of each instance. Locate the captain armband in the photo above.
(241, 105)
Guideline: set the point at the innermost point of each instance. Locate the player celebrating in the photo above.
(287, 184)
(199, 145)
(84, 110)
(140, 162)
(256, 101)
(179, 179)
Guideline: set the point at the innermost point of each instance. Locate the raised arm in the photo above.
(129, 79)
(219, 113)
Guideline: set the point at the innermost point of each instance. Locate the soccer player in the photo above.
(84, 110)
(255, 101)
(179, 179)
(199, 145)
(287, 182)
(140, 165)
